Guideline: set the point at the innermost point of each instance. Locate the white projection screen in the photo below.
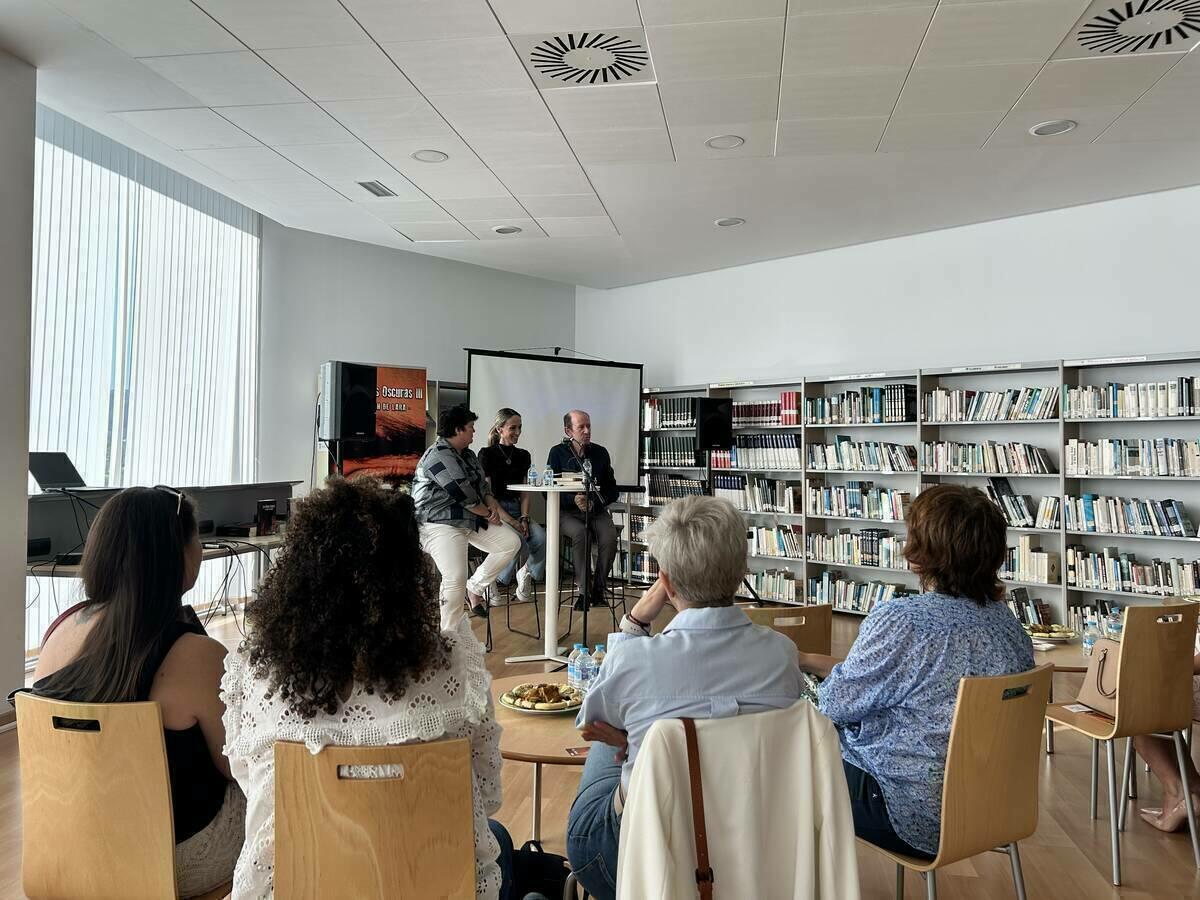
(542, 388)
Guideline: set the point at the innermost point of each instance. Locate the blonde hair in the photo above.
(700, 542)
(503, 414)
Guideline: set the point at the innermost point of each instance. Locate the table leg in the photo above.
(537, 801)
(550, 631)
(1049, 724)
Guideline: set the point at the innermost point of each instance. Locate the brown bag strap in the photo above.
(704, 872)
(1100, 676)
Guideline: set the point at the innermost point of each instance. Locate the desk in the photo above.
(541, 740)
(1064, 658)
(236, 546)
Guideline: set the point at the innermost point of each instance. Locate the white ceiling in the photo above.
(862, 119)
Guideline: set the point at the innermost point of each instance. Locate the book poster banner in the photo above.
(399, 427)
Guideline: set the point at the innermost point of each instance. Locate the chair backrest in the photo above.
(810, 628)
(95, 801)
(990, 792)
(1154, 672)
(341, 833)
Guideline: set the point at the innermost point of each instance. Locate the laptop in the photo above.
(54, 470)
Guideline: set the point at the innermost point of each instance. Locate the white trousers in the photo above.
(447, 545)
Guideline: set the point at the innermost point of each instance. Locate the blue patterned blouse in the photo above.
(893, 697)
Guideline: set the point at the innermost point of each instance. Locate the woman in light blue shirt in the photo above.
(893, 697)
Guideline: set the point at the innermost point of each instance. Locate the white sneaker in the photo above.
(526, 590)
(493, 596)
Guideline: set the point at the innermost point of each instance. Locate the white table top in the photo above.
(553, 489)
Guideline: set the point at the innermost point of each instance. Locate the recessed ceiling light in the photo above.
(430, 156)
(729, 222)
(725, 142)
(1053, 127)
(506, 229)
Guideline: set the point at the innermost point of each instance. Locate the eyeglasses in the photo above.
(178, 495)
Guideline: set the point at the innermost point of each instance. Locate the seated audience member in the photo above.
(711, 661)
(344, 649)
(456, 507)
(505, 463)
(1159, 754)
(893, 697)
(132, 639)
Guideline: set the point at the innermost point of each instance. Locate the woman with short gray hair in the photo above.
(701, 542)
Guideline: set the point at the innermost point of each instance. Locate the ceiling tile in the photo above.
(678, 12)
(494, 111)
(350, 186)
(226, 79)
(848, 42)
(435, 231)
(482, 229)
(1153, 122)
(457, 184)
(1179, 87)
(151, 27)
(545, 180)
(806, 7)
(819, 95)
(521, 148)
(1011, 31)
(535, 16)
(116, 83)
(830, 136)
(759, 137)
(346, 72)
(563, 205)
(954, 89)
(645, 145)
(939, 132)
(578, 226)
(281, 125)
(398, 212)
(267, 24)
(726, 100)
(399, 154)
(1014, 130)
(348, 159)
(585, 60)
(424, 20)
(1111, 81)
(188, 129)
(300, 190)
(478, 208)
(599, 108)
(1108, 28)
(716, 49)
(459, 67)
(248, 164)
(389, 118)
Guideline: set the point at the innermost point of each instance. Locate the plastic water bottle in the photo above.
(532, 478)
(1114, 625)
(573, 667)
(587, 670)
(547, 477)
(598, 656)
(1091, 634)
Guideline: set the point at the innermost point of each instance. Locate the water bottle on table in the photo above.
(532, 478)
(547, 477)
(1114, 626)
(587, 670)
(1091, 634)
(573, 667)
(598, 656)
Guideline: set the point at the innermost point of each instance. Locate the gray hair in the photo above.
(700, 542)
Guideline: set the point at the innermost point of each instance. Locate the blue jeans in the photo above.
(505, 859)
(593, 826)
(871, 820)
(534, 546)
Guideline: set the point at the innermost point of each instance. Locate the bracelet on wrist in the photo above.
(637, 621)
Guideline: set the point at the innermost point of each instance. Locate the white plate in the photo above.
(541, 712)
(1058, 637)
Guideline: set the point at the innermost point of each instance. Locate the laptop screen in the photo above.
(54, 470)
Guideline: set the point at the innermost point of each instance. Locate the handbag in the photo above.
(536, 871)
(1099, 690)
(704, 872)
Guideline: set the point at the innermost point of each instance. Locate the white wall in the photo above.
(1105, 279)
(327, 298)
(18, 83)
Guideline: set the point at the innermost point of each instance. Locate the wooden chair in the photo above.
(810, 628)
(1154, 695)
(990, 789)
(95, 801)
(410, 834)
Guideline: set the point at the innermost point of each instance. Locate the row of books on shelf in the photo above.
(1019, 509)
(955, 458)
(868, 547)
(754, 493)
(760, 451)
(1142, 457)
(1134, 400)
(661, 487)
(868, 405)
(670, 450)
(1097, 608)
(1029, 562)
(767, 413)
(778, 585)
(1028, 610)
(862, 456)
(1127, 515)
(638, 524)
(857, 500)
(853, 596)
(668, 412)
(643, 566)
(1013, 405)
(785, 541)
(1110, 569)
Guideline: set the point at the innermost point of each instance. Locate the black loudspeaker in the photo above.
(714, 423)
(347, 402)
(38, 547)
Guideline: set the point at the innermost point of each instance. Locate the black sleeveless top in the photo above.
(197, 786)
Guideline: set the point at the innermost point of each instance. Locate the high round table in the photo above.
(1064, 658)
(539, 739)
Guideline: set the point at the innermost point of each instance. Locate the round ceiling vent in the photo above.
(590, 58)
(1142, 26)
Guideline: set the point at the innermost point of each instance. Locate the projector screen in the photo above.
(542, 388)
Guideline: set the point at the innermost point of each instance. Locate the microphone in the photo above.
(587, 467)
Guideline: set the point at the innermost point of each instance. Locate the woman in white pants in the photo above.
(456, 509)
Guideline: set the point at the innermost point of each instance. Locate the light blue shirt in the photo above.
(893, 697)
(709, 663)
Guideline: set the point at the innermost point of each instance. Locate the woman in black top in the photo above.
(505, 463)
(132, 639)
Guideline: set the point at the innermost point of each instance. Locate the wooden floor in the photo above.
(1067, 859)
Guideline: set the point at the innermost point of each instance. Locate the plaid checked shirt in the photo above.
(447, 482)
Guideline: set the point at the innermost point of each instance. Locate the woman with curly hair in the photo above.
(344, 649)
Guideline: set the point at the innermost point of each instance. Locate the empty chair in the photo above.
(810, 628)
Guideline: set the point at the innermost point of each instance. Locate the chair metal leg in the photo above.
(1133, 773)
(1095, 775)
(899, 882)
(1049, 724)
(1014, 856)
(1111, 753)
(1126, 777)
(931, 885)
(1180, 756)
(569, 892)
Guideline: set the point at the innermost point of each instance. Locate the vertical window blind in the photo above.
(145, 316)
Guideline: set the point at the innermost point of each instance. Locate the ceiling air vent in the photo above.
(1142, 26)
(378, 188)
(586, 58)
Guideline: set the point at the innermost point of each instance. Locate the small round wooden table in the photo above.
(1064, 658)
(539, 739)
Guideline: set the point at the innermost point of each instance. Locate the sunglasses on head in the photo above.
(178, 495)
